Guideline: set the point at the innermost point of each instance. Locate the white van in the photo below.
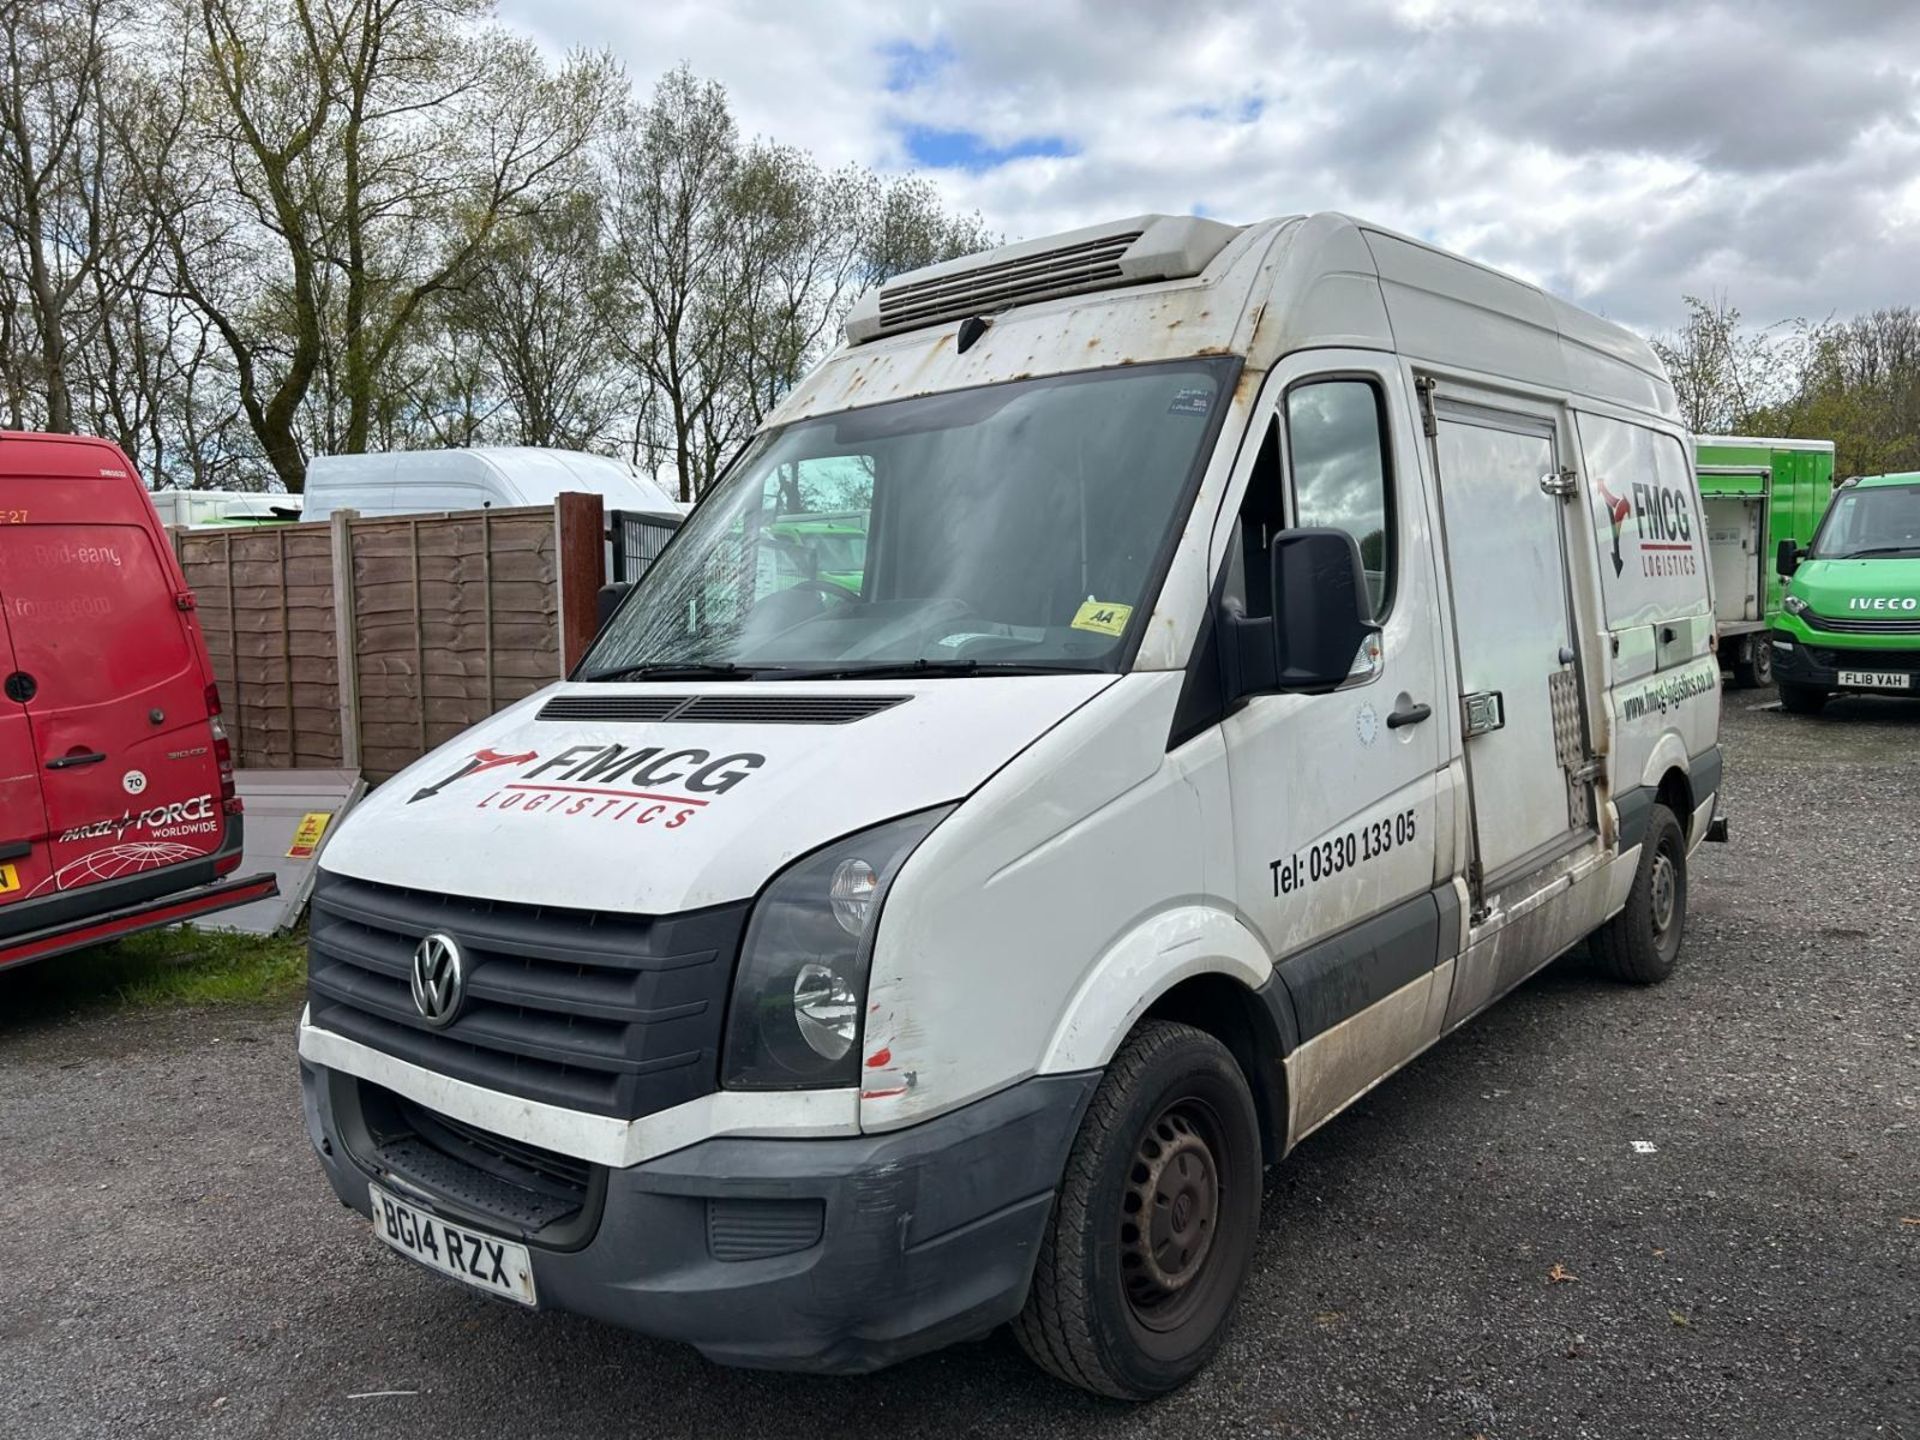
(416, 482)
(224, 507)
(1269, 645)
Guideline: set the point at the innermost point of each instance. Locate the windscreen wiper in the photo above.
(909, 669)
(675, 670)
(1881, 550)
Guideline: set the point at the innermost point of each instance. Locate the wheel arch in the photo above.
(1244, 1022)
(1202, 967)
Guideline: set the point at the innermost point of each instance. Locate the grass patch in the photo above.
(176, 966)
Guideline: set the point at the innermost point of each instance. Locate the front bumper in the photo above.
(1816, 662)
(906, 1241)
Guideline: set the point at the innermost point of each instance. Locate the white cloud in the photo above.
(1619, 151)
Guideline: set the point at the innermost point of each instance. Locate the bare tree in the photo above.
(55, 208)
(366, 151)
(1723, 374)
(670, 218)
(543, 308)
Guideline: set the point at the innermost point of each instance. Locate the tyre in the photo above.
(1755, 666)
(1642, 942)
(1802, 699)
(1154, 1226)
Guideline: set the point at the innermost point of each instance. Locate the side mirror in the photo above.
(1322, 614)
(607, 601)
(1322, 610)
(1788, 559)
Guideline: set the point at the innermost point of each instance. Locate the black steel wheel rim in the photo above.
(1667, 896)
(1171, 1211)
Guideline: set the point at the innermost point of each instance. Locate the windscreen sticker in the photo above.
(9, 879)
(1103, 618)
(1192, 402)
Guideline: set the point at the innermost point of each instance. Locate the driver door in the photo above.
(1339, 806)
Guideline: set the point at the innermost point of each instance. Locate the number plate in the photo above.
(1877, 679)
(499, 1267)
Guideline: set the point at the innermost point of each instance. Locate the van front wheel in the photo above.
(1642, 943)
(1802, 699)
(1154, 1226)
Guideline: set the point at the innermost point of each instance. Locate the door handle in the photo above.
(68, 762)
(1412, 715)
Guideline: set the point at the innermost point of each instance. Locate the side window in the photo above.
(1337, 441)
(1260, 519)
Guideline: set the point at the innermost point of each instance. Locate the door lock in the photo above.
(21, 687)
(1483, 711)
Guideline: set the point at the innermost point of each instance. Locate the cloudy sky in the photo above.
(1619, 152)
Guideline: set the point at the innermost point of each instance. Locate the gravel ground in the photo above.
(172, 1263)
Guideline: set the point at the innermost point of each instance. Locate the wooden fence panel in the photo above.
(265, 601)
(450, 618)
(454, 617)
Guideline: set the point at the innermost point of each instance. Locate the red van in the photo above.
(117, 803)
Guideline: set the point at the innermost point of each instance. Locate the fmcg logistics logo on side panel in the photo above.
(1663, 530)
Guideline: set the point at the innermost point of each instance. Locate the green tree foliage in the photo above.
(1855, 382)
(238, 233)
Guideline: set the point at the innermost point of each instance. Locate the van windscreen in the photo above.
(1015, 526)
(1871, 522)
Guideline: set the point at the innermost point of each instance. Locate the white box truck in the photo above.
(1269, 645)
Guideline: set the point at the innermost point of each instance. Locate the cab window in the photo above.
(1337, 446)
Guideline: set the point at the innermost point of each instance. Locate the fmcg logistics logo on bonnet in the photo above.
(1662, 528)
(644, 784)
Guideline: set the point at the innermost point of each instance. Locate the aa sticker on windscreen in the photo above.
(1102, 618)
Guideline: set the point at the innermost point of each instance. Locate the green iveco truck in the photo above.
(1756, 494)
(1850, 618)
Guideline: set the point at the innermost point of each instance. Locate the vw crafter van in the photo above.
(1271, 645)
(1850, 621)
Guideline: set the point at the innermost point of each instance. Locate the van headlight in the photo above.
(794, 1022)
(1794, 605)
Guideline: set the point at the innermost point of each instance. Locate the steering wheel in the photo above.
(821, 587)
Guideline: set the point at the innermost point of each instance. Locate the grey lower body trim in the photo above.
(1337, 978)
(1704, 773)
(914, 1239)
(1635, 806)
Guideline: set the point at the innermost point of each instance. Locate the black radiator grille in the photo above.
(614, 1014)
(1839, 658)
(1865, 625)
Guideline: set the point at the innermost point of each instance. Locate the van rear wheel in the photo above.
(1754, 668)
(1802, 699)
(1154, 1226)
(1642, 943)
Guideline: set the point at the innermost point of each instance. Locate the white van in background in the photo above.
(414, 482)
(225, 507)
(1267, 646)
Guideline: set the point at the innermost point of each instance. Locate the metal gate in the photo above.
(635, 539)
